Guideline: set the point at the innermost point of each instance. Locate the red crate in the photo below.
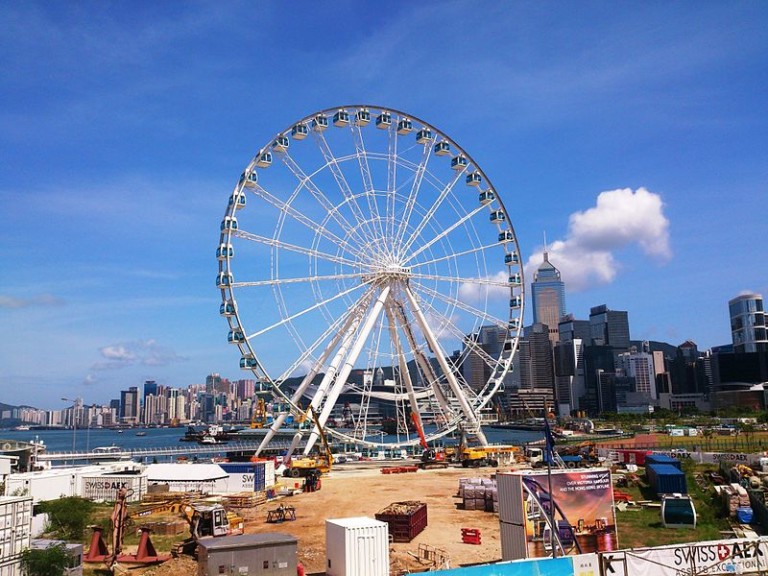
(406, 520)
(470, 536)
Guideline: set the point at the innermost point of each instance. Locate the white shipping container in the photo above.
(42, 486)
(15, 531)
(356, 547)
(104, 487)
(269, 474)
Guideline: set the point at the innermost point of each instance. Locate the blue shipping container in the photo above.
(662, 459)
(666, 479)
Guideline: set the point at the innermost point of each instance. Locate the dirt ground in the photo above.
(362, 490)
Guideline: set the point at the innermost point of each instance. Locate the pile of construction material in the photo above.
(406, 519)
(733, 497)
(479, 494)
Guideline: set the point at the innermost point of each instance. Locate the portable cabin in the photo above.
(459, 162)
(362, 117)
(341, 118)
(299, 131)
(474, 179)
(515, 280)
(224, 280)
(224, 251)
(486, 197)
(281, 144)
(227, 308)
(237, 200)
(248, 363)
(506, 236)
(511, 258)
(424, 136)
(678, 511)
(263, 159)
(229, 223)
(320, 123)
(442, 148)
(498, 216)
(404, 126)
(384, 121)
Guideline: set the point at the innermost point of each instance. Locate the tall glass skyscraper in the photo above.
(748, 326)
(548, 297)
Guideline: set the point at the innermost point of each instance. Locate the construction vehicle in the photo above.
(259, 419)
(491, 455)
(430, 457)
(311, 466)
(206, 521)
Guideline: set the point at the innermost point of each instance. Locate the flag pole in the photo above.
(550, 452)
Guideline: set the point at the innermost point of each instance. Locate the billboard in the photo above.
(579, 501)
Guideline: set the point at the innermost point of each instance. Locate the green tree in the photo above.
(68, 517)
(49, 561)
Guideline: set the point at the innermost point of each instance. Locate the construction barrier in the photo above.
(470, 536)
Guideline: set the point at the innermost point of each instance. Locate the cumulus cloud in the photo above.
(139, 352)
(12, 302)
(620, 218)
(493, 287)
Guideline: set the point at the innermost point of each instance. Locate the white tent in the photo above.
(185, 477)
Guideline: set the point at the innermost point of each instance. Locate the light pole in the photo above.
(74, 422)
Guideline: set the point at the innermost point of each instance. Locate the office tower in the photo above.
(640, 366)
(609, 328)
(129, 405)
(571, 329)
(489, 339)
(536, 363)
(150, 387)
(548, 297)
(748, 330)
(211, 382)
(569, 375)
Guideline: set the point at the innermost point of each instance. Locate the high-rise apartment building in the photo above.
(748, 330)
(129, 405)
(548, 297)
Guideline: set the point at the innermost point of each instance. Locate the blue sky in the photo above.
(633, 134)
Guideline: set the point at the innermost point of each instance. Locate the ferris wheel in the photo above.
(368, 268)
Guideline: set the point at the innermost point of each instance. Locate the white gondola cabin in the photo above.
(224, 280)
(362, 117)
(264, 159)
(506, 236)
(224, 251)
(424, 136)
(404, 126)
(227, 308)
(498, 216)
(248, 363)
(474, 179)
(299, 132)
(249, 178)
(515, 302)
(281, 144)
(514, 324)
(486, 197)
(442, 148)
(320, 123)
(237, 200)
(511, 259)
(515, 280)
(678, 511)
(384, 121)
(229, 223)
(459, 162)
(341, 118)
(235, 337)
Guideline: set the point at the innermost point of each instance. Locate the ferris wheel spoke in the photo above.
(306, 181)
(432, 210)
(295, 248)
(453, 255)
(463, 306)
(365, 173)
(307, 310)
(462, 280)
(310, 224)
(418, 178)
(333, 165)
(445, 232)
(278, 281)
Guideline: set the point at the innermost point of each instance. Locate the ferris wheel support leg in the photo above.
(349, 362)
(404, 373)
(469, 414)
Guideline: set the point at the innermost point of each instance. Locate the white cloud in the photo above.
(620, 218)
(475, 292)
(141, 352)
(35, 301)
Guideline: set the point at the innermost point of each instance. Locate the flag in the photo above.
(549, 440)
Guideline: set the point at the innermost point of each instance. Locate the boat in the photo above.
(21, 428)
(141, 433)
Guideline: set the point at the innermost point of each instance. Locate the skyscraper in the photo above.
(748, 330)
(548, 297)
(609, 328)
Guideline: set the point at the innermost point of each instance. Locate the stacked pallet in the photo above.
(479, 494)
(245, 499)
(733, 497)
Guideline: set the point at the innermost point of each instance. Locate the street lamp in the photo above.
(74, 420)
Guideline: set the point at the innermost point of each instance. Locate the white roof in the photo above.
(356, 522)
(185, 472)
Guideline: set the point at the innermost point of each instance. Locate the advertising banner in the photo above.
(583, 511)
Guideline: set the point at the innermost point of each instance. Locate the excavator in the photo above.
(430, 458)
(312, 466)
(206, 521)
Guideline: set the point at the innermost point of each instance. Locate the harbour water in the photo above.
(88, 439)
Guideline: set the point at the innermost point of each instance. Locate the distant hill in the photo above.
(6, 422)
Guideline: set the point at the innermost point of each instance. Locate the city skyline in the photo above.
(633, 136)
